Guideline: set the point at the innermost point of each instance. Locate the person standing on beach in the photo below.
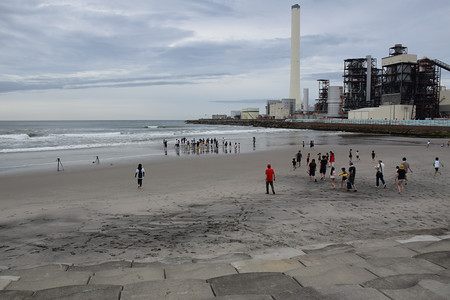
(351, 176)
(436, 166)
(344, 176)
(140, 174)
(307, 159)
(332, 158)
(379, 174)
(350, 155)
(357, 155)
(373, 156)
(312, 170)
(270, 178)
(332, 176)
(323, 167)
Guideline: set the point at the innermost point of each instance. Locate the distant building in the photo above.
(270, 102)
(279, 111)
(219, 117)
(289, 104)
(444, 102)
(384, 112)
(250, 113)
(236, 114)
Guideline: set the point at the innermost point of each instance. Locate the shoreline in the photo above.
(400, 130)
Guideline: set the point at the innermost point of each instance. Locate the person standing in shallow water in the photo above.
(270, 178)
(140, 174)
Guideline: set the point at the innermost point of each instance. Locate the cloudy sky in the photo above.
(174, 59)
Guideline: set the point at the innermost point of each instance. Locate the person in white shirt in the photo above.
(437, 164)
(380, 170)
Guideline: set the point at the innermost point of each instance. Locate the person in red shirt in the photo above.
(270, 178)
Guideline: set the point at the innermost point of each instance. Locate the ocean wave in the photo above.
(59, 148)
(21, 136)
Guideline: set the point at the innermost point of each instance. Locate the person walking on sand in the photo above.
(437, 164)
(140, 174)
(407, 168)
(351, 177)
(307, 159)
(373, 155)
(270, 178)
(332, 176)
(379, 174)
(299, 158)
(350, 155)
(312, 170)
(401, 179)
(294, 164)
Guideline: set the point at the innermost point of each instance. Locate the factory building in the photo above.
(403, 80)
(235, 114)
(280, 109)
(361, 77)
(250, 113)
(444, 102)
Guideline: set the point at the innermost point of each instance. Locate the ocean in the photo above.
(33, 145)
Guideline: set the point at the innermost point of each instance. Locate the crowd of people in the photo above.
(202, 146)
(326, 164)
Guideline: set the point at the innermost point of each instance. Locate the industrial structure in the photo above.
(294, 87)
(403, 80)
(280, 109)
(361, 78)
(305, 104)
(250, 113)
(321, 102)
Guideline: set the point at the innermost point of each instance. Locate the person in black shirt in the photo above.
(401, 178)
(352, 174)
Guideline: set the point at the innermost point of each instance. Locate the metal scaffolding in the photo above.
(399, 78)
(321, 105)
(361, 77)
(427, 94)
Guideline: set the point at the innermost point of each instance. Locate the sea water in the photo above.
(39, 144)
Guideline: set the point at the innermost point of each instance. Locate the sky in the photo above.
(178, 60)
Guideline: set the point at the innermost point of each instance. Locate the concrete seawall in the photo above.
(405, 130)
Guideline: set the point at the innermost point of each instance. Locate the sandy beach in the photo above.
(204, 206)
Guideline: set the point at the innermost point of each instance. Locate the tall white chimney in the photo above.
(294, 88)
(305, 100)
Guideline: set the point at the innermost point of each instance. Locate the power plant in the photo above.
(403, 81)
(403, 88)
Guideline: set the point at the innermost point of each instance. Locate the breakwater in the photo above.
(404, 130)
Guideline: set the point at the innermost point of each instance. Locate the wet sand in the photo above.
(203, 206)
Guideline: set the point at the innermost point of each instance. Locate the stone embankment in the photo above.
(406, 130)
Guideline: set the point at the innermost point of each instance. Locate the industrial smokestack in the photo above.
(294, 88)
(305, 100)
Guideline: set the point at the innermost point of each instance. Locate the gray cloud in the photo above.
(89, 44)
